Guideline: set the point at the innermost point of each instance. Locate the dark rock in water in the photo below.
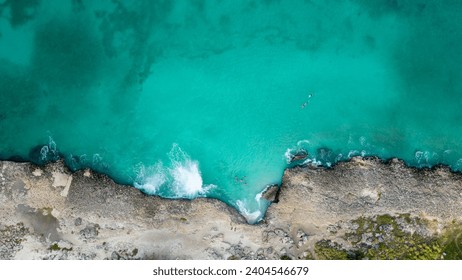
(299, 155)
(272, 193)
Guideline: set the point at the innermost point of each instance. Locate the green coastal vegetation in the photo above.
(400, 237)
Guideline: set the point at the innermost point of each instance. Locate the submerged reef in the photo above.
(361, 209)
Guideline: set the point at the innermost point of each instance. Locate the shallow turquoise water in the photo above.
(209, 98)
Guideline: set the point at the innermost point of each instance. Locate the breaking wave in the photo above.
(181, 178)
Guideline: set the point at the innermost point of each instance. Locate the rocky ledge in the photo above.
(361, 209)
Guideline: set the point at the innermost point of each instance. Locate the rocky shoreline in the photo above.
(361, 209)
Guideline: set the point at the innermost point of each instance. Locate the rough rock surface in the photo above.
(47, 212)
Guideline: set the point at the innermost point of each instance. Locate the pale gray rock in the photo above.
(99, 219)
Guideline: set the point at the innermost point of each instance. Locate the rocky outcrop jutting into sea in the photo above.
(361, 209)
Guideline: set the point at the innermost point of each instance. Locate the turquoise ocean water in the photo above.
(210, 98)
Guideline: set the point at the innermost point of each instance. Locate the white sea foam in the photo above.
(303, 142)
(52, 145)
(363, 141)
(313, 162)
(353, 153)
(259, 195)
(83, 158)
(44, 152)
(251, 217)
(97, 159)
(422, 157)
(151, 183)
(350, 139)
(50, 148)
(182, 175)
(288, 155)
(302, 145)
(187, 180)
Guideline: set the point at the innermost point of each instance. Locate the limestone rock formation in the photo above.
(353, 211)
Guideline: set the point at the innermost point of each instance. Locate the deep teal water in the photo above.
(208, 98)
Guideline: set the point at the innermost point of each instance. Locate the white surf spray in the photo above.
(180, 179)
(251, 217)
(288, 155)
(150, 179)
(49, 151)
(247, 208)
(302, 146)
(187, 179)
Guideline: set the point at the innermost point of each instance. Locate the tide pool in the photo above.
(187, 99)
